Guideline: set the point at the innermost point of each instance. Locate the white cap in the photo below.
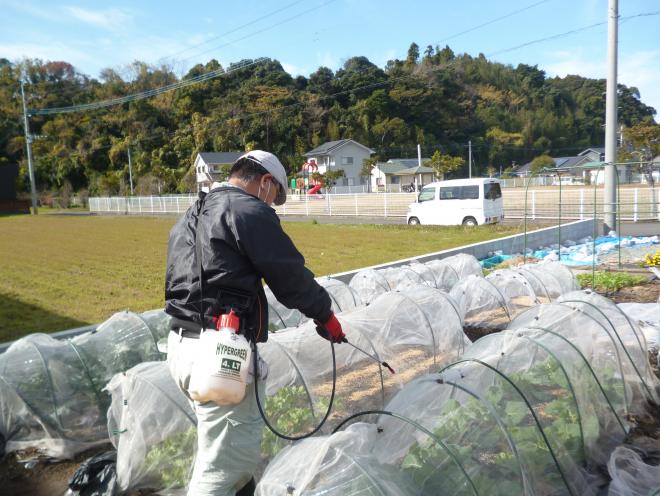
(272, 164)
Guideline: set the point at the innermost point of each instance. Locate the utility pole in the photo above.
(130, 169)
(419, 157)
(609, 197)
(470, 158)
(28, 143)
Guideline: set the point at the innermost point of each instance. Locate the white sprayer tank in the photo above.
(220, 369)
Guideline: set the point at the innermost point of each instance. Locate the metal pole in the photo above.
(559, 219)
(28, 142)
(609, 200)
(130, 169)
(419, 154)
(470, 158)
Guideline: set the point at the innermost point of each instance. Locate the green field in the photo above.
(60, 272)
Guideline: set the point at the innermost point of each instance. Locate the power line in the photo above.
(146, 94)
(572, 31)
(238, 28)
(249, 35)
(492, 21)
(267, 28)
(378, 84)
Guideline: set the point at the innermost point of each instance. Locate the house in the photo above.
(582, 168)
(346, 154)
(397, 173)
(212, 166)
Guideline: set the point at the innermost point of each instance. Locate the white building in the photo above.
(212, 166)
(397, 174)
(346, 155)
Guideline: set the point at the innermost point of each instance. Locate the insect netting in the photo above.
(629, 336)
(517, 291)
(51, 391)
(464, 264)
(529, 410)
(401, 277)
(368, 284)
(413, 331)
(634, 470)
(613, 352)
(279, 316)
(425, 272)
(535, 409)
(445, 275)
(442, 274)
(153, 427)
(545, 285)
(341, 295)
(563, 277)
(482, 303)
(470, 430)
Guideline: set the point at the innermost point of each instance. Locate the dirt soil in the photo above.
(645, 293)
(25, 474)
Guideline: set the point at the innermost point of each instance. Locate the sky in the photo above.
(306, 34)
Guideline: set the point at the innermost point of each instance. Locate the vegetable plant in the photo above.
(171, 460)
(609, 282)
(470, 431)
(290, 412)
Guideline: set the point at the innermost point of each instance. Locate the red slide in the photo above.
(315, 190)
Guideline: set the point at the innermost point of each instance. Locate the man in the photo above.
(233, 238)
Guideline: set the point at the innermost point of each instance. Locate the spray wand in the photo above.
(374, 358)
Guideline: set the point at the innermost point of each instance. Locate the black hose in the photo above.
(263, 414)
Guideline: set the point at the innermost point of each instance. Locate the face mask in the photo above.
(267, 192)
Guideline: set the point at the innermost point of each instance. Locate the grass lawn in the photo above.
(60, 272)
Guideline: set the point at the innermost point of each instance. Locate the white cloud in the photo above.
(109, 19)
(294, 70)
(390, 54)
(639, 68)
(327, 59)
(46, 51)
(49, 14)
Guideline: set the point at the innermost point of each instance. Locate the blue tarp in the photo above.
(491, 262)
(580, 253)
(583, 253)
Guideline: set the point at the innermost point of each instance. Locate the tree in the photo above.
(541, 162)
(331, 177)
(642, 144)
(443, 163)
(491, 171)
(368, 165)
(413, 54)
(500, 140)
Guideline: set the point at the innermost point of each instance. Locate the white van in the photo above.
(460, 201)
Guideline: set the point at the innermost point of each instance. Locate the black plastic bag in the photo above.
(96, 476)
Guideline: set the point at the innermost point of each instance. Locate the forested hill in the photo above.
(436, 98)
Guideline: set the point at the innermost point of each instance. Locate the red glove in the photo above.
(330, 330)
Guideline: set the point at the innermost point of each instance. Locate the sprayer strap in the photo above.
(198, 257)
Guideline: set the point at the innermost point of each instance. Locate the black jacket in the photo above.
(242, 242)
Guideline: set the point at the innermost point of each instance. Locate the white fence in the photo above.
(635, 204)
